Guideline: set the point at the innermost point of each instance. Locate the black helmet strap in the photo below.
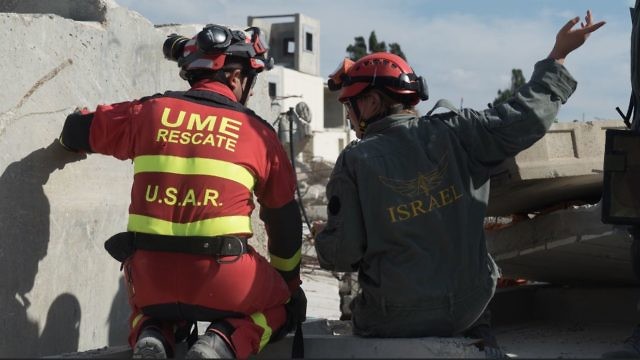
(248, 86)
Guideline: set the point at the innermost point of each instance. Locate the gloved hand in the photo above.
(77, 112)
(296, 312)
(297, 307)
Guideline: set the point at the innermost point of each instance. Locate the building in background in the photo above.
(295, 84)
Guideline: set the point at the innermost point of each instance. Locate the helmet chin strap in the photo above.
(246, 90)
(362, 124)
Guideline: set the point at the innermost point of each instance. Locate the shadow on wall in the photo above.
(62, 330)
(119, 316)
(24, 220)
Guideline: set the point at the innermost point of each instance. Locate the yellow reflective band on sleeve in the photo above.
(209, 227)
(194, 166)
(260, 320)
(283, 264)
(136, 320)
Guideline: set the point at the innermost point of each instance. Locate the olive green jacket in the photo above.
(407, 202)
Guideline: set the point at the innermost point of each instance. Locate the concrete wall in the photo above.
(335, 114)
(281, 38)
(288, 36)
(308, 61)
(293, 87)
(327, 144)
(568, 246)
(61, 291)
(568, 149)
(80, 10)
(310, 88)
(565, 165)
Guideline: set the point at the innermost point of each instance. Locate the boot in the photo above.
(211, 345)
(489, 342)
(150, 345)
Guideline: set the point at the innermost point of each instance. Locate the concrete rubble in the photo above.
(568, 246)
(550, 196)
(563, 166)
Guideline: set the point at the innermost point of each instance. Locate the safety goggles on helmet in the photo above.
(382, 70)
(209, 49)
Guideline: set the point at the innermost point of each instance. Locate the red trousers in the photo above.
(249, 286)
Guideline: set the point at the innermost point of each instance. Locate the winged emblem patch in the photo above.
(424, 183)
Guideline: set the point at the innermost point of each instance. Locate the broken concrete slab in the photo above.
(79, 10)
(566, 164)
(568, 246)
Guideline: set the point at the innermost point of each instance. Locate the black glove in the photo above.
(297, 307)
(296, 313)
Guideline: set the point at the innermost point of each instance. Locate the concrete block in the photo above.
(566, 164)
(569, 246)
(79, 10)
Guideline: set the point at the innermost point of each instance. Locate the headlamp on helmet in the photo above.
(337, 77)
(209, 49)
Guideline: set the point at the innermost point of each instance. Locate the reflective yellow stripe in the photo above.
(209, 227)
(194, 166)
(136, 320)
(260, 320)
(286, 264)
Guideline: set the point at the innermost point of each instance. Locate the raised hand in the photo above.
(569, 39)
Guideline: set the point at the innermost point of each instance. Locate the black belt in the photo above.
(226, 245)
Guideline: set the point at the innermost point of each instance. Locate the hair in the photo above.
(392, 103)
(231, 63)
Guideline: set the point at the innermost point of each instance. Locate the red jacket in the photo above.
(198, 157)
(195, 165)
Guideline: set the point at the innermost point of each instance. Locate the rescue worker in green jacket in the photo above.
(407, 201)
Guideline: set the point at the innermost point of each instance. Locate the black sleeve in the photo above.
(284, 229)
(75, 133)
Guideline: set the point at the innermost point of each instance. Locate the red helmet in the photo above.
(382, 70)
(210, 47)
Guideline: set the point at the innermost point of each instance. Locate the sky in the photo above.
(464, 48)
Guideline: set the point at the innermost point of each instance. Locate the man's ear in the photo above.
(234, 79)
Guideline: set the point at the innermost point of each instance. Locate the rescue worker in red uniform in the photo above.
(198, 157)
